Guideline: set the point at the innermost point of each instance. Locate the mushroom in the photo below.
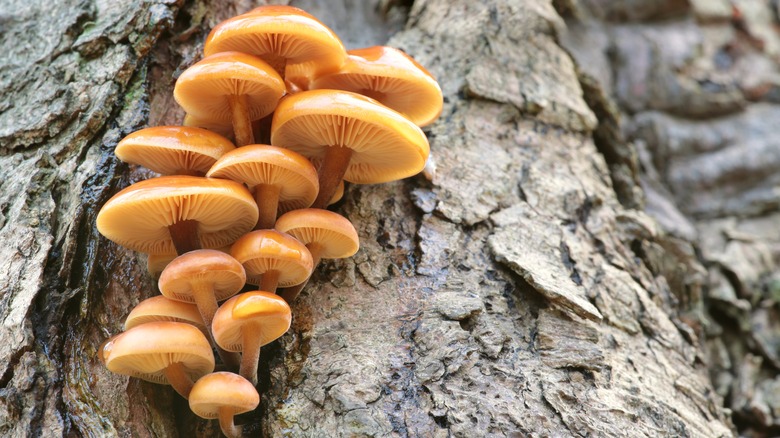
(223, 395)
(280, 178)
(173, 150)
(354, 137)
(171, 353)
(203, 277)
(280, 35)
(391, 77)
(326, 234)
(272, 259)
(178, 214)
(230, 86)
(248, 321)
(160, 308)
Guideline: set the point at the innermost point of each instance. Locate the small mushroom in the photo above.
(280, 179)
(230, 86)
(173, 150)
(170, 353)
(223, 395)
(177, 214)
(248, 321)
(203, 277)
(159, 308)
(326, 234)
(354, 137)
(272, 259)
(391, 77)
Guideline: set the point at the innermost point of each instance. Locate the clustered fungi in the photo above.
(222, 217)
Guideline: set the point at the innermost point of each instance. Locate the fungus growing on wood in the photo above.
(326, 234)
(160, 308)
(203, 277)
(173, 150)
(230, 87)
(223, 395)
(353, 137)
(177, 214)
(280, 35)
(248, 321)
(272, 259)
(171, 353)
(282, 180)
(391, 77)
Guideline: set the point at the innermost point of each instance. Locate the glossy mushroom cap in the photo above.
(159, 308)
(334, 234)
(147, 350)
(203, 89)
(138, 217)
(265, 310)
(173, 150)
(224, 395)
(391, 77)
(266, 250)
(385, 145)
(290, 171)
(222, 390)
(280, 35)
(224, 274)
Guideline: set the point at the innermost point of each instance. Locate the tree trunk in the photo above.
(520, 289)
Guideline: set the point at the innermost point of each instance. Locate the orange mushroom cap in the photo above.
(172, 150)
(290, 171)
(138, 217)
(203, 89)
(224, 275)
(160, 308)
(147, 350)
(333, 233)
(266, 311)
(386, 146)
(265, 250)
(280, 35)
(220, 391)
(391, 77)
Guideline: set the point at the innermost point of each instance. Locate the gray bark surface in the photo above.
(552, 277)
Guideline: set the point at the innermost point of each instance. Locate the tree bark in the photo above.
(521, 289)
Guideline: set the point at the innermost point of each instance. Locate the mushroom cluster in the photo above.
(220, 217)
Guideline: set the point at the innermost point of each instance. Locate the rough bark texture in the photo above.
(522, 290)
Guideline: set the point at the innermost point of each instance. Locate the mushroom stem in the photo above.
(180, 381)
(270, 281)
(250, 354)
(185, 236)
(291, 293)
(331, 173)
(226, 423)
(203, 294)
(267, 199)
(262, 129)
(242, 125)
